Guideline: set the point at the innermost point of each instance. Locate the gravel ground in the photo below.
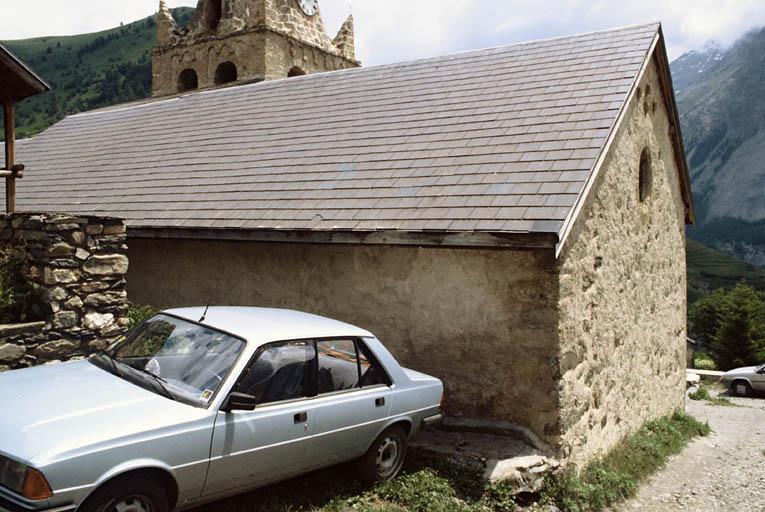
(724, 471)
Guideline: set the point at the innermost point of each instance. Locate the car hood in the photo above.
(51, 410)
(746, 370)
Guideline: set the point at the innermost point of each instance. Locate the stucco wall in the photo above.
(482, 320)
(623, 290)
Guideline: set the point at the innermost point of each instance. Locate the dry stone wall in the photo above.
(78, 267)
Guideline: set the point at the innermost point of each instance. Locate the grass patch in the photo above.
(721, 401)
(616, 475)
(700, 394)
(703, 394)
(426, 484)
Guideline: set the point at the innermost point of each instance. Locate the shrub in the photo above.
(732, 326)
(700, 394)
(702, 361)
(139, 314)
(19, 300)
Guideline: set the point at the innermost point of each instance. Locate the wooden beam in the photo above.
(10, 156)
(498, 240)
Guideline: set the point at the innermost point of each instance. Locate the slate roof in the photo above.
(499, 140)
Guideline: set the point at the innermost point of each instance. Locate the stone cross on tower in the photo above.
(240, 41)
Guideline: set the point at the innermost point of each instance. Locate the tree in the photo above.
(732, 326)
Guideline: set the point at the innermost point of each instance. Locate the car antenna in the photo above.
(202, 319)
(215, 294)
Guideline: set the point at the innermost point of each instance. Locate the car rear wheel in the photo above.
(132, 493)
(741, 388)
(385, 458)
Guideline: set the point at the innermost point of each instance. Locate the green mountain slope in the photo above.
(87, 71)
(709, 270)
(722, 114)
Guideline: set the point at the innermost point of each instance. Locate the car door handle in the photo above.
(301, 417)
(379, 402)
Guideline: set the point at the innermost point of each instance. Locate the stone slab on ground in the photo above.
(501, 451)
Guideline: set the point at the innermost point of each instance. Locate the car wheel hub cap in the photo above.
(132, 505)
(387, 454)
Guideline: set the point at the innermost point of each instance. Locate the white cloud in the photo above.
(397, 30)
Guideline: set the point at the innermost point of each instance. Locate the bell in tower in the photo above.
(244, 41)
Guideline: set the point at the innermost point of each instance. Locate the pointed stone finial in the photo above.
(167, 28)
(344, 41)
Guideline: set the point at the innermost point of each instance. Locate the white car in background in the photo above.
(195, 405)
(745, 381)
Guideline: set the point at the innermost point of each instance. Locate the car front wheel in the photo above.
(132, 493)
(741, 388)
(385, 458)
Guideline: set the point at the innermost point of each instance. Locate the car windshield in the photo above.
(176, 358)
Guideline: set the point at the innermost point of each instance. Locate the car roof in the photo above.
(264, 325)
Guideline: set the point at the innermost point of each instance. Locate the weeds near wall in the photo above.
(139, 314)
(19, 300)
(703, 394)
(616, 475)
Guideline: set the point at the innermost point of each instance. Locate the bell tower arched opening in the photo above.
(225, 73)
(188, 80)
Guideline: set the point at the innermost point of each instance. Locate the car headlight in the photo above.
(23, 480)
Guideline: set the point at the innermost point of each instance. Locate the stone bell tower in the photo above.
(241, 41)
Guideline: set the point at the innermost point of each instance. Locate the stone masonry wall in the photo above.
(623, 290)
(484, 321)
(78, 265)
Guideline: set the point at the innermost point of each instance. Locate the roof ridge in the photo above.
(273, 83)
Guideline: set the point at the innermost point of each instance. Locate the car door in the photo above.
(272, 441)
(352, 401)
(758, 379)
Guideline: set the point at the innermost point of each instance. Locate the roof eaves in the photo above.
(465, 239)
(665, 78)
(570, 221)
(24, 72)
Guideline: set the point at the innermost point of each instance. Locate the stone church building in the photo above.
(511, 220)
(246, 41)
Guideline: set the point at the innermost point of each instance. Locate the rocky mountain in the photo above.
(695, 64)
(721, 100)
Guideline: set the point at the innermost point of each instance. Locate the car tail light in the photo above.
(441, 405)
(36, 486)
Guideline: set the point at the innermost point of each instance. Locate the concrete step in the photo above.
(501, 451)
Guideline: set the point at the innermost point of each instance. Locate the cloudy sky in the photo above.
(397, 30)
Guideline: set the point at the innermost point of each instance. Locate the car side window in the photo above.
(372, 373)
(338, 365)
(281, 371)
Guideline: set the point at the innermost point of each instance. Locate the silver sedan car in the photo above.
(195, 405)
(745, 381)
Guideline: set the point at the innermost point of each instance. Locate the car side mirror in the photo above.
(238, 402)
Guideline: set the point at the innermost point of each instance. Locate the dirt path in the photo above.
(724, 471)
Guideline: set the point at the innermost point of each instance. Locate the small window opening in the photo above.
(225, 73)
(296, 71)
(188, 80)
(645, 178)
